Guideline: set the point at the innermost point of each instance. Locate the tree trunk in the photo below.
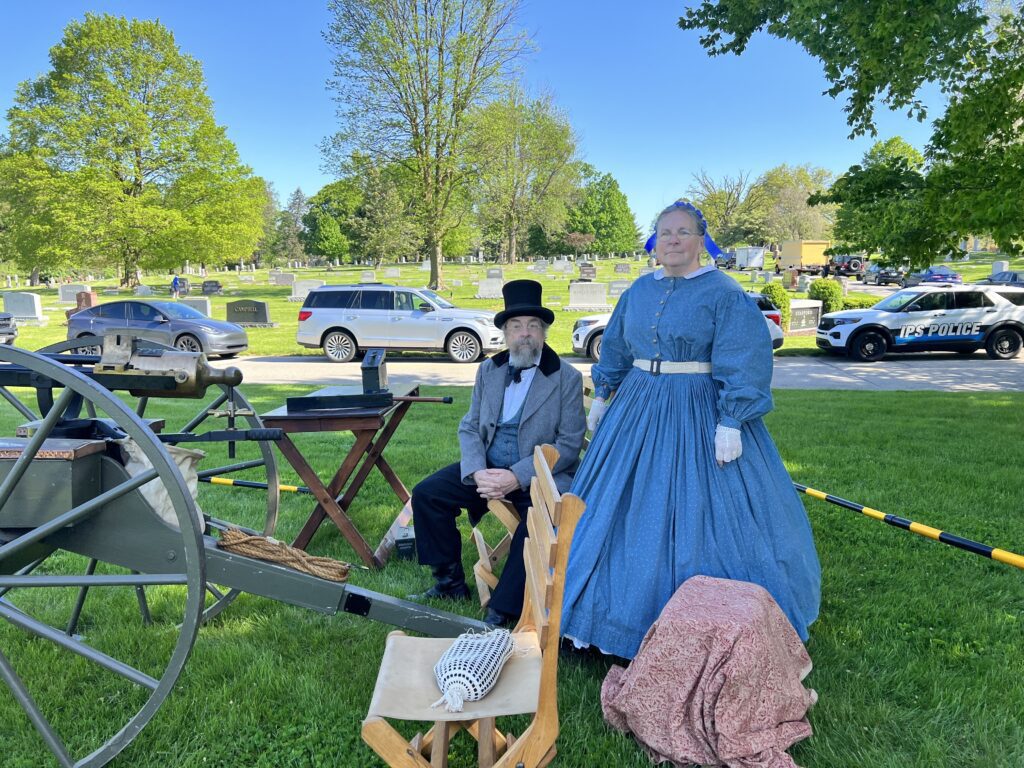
(512, 246)
(434, 249)
(33, 279)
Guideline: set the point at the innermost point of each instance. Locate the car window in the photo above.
(375, 300)
(897, 301)
(115, 310)
(1014, 297)
(143, 312)
(972, 300)
(332, 300)
(404, 301)
(440, 301)
(930, 302)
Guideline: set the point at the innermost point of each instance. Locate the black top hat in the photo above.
(522, 297)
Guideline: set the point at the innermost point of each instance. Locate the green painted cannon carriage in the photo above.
(75, 520)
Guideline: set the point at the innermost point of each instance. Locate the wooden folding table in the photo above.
(372, 428)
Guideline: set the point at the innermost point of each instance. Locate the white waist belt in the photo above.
(668, 366)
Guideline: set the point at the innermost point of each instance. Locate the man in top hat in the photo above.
(523, 397)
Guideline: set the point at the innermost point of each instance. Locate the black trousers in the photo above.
(437, 502)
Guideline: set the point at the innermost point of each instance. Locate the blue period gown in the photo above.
(659, 508)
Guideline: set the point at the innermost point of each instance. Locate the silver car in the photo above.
(343, 319)
(167, 322)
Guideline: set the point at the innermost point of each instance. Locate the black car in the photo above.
(876, 274)
(1003, 278)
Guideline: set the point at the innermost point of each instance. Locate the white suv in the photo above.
(929, 318)
(344, 319)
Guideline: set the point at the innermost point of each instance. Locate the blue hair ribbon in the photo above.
(709, 244)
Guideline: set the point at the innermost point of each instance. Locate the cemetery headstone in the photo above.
(490, 288)
(245, 278)
(212, 287)
(456, 283)
(617, 287)
(143, 290)
(496, 272)
(85, 299)
(69, 291)
(587, 272)
(301, 289)
(804, 314)
(367, 277)
(392, 272)
(591, 297)
(249, 313)
(201, 303)
(25, 307)
(647, 270)
(1000, 266)
(622, 269)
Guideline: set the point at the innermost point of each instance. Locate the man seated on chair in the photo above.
(523, 397)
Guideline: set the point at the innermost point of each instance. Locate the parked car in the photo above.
(8, 328)
(167, 322)
(1003, 278)
(934, 274)
(876, 274)
(588, 332)
(345, 319)
(929, 318)
(848, 264)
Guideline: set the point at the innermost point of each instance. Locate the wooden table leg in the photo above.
(326, 500)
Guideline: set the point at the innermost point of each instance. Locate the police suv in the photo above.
(930, 318)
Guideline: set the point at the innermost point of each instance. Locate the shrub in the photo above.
(829, 293)
(780, 298)
(860, 302)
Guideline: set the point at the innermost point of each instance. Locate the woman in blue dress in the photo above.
(681, 477)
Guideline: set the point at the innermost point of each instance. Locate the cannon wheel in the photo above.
(19, 549)
(221, 599)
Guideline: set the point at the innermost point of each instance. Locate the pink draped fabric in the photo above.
(717, 680)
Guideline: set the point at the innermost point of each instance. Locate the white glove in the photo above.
(728, 445)
(597, 409)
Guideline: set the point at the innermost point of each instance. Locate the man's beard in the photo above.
(523, 353)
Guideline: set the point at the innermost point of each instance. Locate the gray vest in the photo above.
(503, 451)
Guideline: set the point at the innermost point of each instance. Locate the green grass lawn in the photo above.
(281, 340)
(917, 654)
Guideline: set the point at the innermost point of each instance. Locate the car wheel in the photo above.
(339, 347)
(1003, 344)
(229, 355)
(188, 343)
(594, 347)
(94, 350)
(903, 283)
(868, 346)
(462, 347)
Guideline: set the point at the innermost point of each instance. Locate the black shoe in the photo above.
(450, 584)
(496, 619)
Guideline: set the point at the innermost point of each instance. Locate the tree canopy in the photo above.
(870, 51)
(114, 154)
(604, 214)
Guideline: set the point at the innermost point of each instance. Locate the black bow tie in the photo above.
(517, 373)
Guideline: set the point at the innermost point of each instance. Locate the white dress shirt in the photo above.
(516, 391)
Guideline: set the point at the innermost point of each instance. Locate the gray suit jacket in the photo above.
(553, 413)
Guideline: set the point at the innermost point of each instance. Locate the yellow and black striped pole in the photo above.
(253, 484)
(1001, 555)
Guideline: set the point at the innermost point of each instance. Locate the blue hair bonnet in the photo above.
(709, 244)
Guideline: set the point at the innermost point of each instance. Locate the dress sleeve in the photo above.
(741, 360)
(616, 358)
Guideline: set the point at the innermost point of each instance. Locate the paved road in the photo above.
(939, 371)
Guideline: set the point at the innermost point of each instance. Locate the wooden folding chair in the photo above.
(504, 511)
(528, 684)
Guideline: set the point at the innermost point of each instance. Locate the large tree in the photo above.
(407, 74)
(328, 231)
(883, 206)
(288, 244)
(733, 206)
(114, 156)
(522, 151)
(786, 213)
(602, 213)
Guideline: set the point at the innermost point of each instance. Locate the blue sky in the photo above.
(647, 103)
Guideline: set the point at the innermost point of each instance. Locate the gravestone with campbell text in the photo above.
(249, 313)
